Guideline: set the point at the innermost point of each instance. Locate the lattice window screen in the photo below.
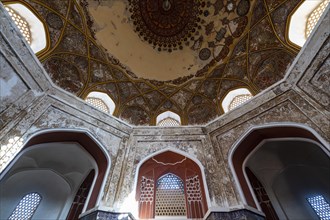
(320, 206)
(21, 23)
(146, 198)
(315, 16)
(167, 122)
(239, 100)
(170, 197)
(194, 196)
(26, 207)
(98, 103)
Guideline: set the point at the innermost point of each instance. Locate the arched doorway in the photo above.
(170, 185)
(65, 168)
(279, 168)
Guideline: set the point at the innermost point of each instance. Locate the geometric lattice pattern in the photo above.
(194, 196)
(146, 205)
(320, 206)
(315, 16)
(26, 207)
(21, 23)
(147, 190)
(98, 103)
(170, 197)
(239, 100)
(9, 150)
(167, 122)
(193, 189)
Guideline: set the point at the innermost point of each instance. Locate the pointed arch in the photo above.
(168, 118)
(256, 136)
(101, 101)
(235, 98)
(30, 25)
(181, 164)
(83, 139)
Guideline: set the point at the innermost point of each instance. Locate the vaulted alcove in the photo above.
(170, 185)
(279, 168)
(65, 171)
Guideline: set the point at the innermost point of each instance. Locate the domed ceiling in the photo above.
(152, 56)
(167, 39)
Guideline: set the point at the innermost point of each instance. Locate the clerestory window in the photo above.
(304, 19)
(101, 101)
(168, 119)
(235, 98)
(314, 17)
(21, 23)
(31, 27)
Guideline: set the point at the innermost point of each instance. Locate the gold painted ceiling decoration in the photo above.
(194, 33)
(166, 24)
(254, 54)
(200, 25)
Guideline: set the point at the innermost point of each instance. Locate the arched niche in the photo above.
(267, 156)
(161, 164)
(56, 164)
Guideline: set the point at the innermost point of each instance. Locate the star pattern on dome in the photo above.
(248, 49)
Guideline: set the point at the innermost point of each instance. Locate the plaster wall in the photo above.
(50, 170)
(292, 170)
(55, 197)
(297, 100)
(292, 197)
(31, 103)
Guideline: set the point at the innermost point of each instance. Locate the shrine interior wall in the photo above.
(31, 103)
